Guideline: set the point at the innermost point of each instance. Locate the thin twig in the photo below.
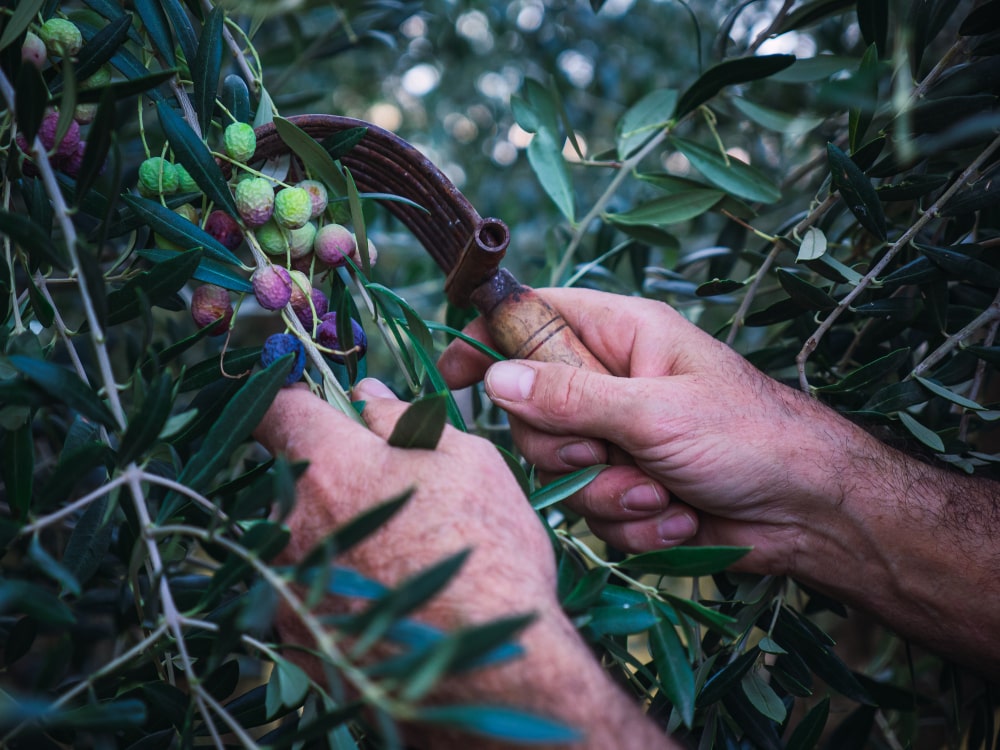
(61, 211)
(931, 213)
(772, 256)
(581, 229)
(986, 317)
(75, 506)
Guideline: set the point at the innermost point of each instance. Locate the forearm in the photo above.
(915, 545)
(557, 677)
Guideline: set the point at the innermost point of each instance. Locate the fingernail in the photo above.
(509, 382)
(676, 528)
(578, 454)
(642, 497)
(372, 388)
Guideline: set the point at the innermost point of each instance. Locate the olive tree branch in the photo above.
(326, 643)
(765, 266)
(581, 228)
(61, 211)
(169, 611)
(90, 680)
(990, 315)
(73, 507)
(925, 218)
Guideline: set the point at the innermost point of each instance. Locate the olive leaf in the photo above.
(422, 424)
(857, 191)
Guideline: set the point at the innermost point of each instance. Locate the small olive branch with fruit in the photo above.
(157, 507)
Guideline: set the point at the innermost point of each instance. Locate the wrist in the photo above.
(558, 677)
(910, 543)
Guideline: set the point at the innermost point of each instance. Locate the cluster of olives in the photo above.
(290, 228)
(58, 38)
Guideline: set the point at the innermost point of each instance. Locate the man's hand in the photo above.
(464, 498)
(749, 461)
(716, 444)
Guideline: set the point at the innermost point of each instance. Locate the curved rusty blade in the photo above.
(466, 246)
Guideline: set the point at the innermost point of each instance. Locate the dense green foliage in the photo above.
(813, 183)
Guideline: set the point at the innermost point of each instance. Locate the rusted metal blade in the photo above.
(467, 247)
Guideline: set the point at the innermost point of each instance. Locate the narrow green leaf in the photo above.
(143, 82)
(19, 21)
(808, 731)
(156, 24)
(341, 143)
(183, 29)
(99, 141)
(109, 716)
(934, 387)
(100, 48)
(803, 293)
(729, 174)
(725, 680)
(762, 697)
(421, 425)
(31, 98)
(760, 732)
(873, 20)
(792, 633)
(75, 461)
(911, 187)
(207, 270)
(711, 618)
(869, 373)
(860, 117)
(924, 434)
(669, 209)
(718, 287)
(365, 524)
(499, 722)
(194, 155)
(175, 228)
(962, 265)
(726, 73)
(145, 425)
(17, 467)
(32, 239)
(236, 97)
(643, 120)
(22, 597)
(857, 191)
(685, 561)
(91, 273)
(52, 567)
(43, 310)
(674, 671)
(768, 646)
(546, 159)
(410, 594)
(316, 158)
(809, 13)
(238, 419)
(564, 487)
(207, 66)
(773, 119)
(65, 386)
(981, 20)
(621, 620)
(90, 540)
(294, 683)
(156, 284)
(207, 372)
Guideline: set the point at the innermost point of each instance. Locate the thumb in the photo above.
(382, 408)
(561, 399)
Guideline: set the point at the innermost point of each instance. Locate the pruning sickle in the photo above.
(466, 246)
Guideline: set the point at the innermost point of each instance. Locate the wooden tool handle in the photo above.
(525, 326)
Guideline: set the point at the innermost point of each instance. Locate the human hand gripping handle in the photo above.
(760, 465)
